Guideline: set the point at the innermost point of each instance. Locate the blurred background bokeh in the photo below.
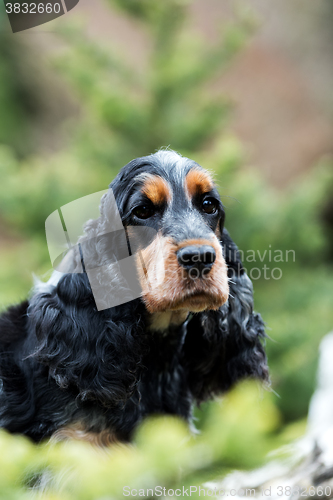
(243, 88)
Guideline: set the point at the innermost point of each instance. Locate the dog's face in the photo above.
(184, 262)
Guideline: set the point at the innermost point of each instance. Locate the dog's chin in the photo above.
(195, 302)
(198, 302)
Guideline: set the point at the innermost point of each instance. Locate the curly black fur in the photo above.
(62, 361)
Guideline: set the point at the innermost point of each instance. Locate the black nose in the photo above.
(197, 258)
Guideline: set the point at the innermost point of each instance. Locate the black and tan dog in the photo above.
(71, 370)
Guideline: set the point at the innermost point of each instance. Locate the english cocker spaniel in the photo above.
(150, 312)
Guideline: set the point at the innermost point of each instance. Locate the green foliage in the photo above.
(23, 260)
(32, 189)
(20, 101)
(128, 114)
(286, 221)
(164, 454)
(169, 103)
(298, 312)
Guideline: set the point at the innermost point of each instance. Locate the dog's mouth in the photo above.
(175, 313)
(197, 301)
(192, 295)
(174, 280)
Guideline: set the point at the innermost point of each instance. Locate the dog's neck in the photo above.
(163, 321)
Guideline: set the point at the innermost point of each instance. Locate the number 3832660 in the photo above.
(33, 8)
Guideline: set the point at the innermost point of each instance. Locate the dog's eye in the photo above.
(144, 211)
(209, 206)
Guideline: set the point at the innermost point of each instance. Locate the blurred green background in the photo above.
(245, 96)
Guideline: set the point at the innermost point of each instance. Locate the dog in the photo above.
(72, 370)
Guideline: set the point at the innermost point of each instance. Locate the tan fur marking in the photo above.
(198, 182)
(166, 286)
(161, 321)
(77, 432)
(156, 189)
(218, 232)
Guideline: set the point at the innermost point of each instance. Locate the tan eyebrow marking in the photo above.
(156, 189)
(198, 181)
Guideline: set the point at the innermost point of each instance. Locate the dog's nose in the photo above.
(201, 258)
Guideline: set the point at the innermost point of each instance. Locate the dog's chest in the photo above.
(163, 382)
(166, 321)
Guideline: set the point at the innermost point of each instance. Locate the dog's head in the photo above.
(161, 221)
(182, 267)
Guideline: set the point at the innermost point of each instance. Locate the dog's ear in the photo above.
(96, 354)
(224, 346)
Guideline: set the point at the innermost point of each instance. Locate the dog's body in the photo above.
(70, 370)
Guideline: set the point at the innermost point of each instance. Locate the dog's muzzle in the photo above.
(199, 258)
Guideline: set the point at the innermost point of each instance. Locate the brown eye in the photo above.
(209, 206)
(144, 211)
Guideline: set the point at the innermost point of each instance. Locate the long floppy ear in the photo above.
(224, 346)
(96, 354)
